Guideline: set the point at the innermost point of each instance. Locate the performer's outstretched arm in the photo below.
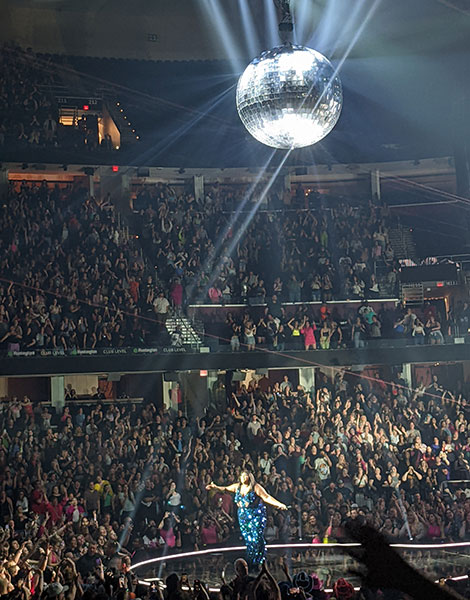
(263, 494)
(222, 488)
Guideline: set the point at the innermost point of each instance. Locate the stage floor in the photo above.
(328, 561)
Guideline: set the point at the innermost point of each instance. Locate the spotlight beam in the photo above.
(167, 142)
(248, 26)
(325, 31)
(219, 24)
(357, 35)
(452, 5)
(252, 213)
(209, 265)
(271, 23)
(348, 50)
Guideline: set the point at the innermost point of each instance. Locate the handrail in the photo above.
(93, 401)
(458, 258)
(379, 300)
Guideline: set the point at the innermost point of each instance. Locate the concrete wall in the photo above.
(146, 385)
(3, 387)
(3, 183)
(195, 392)
(37, 388)
(109, 28)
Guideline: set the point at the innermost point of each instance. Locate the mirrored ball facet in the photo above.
(289, 97)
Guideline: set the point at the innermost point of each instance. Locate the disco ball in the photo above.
(289, 97)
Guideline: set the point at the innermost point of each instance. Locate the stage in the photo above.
(328, 561)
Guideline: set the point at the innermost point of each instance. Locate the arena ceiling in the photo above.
(194, 29)
(405, 68)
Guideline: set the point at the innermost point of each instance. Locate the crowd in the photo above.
(78, 281)
(28, 113)
(29, 110)
(82, 491)
(72, 278)
(301, 254)
(331, 326)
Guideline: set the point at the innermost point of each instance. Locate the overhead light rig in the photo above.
(286, 24)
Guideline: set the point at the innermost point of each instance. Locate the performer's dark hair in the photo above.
(251, 477)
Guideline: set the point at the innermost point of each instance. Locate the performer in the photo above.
(249, 498)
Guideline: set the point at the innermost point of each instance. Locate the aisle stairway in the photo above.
(401, 240)
(192, 333)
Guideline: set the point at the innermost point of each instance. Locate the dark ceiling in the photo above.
(406, 76)
(395, 28)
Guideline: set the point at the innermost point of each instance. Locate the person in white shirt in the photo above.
(253, 427)
(265, 463)
(285, 384)
(161, 306)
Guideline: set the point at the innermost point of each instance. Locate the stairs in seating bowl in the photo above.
(402, 242)
(191, 331)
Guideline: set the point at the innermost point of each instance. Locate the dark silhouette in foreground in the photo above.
(385, 569)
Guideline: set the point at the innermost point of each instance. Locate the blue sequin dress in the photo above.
(252, 520)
